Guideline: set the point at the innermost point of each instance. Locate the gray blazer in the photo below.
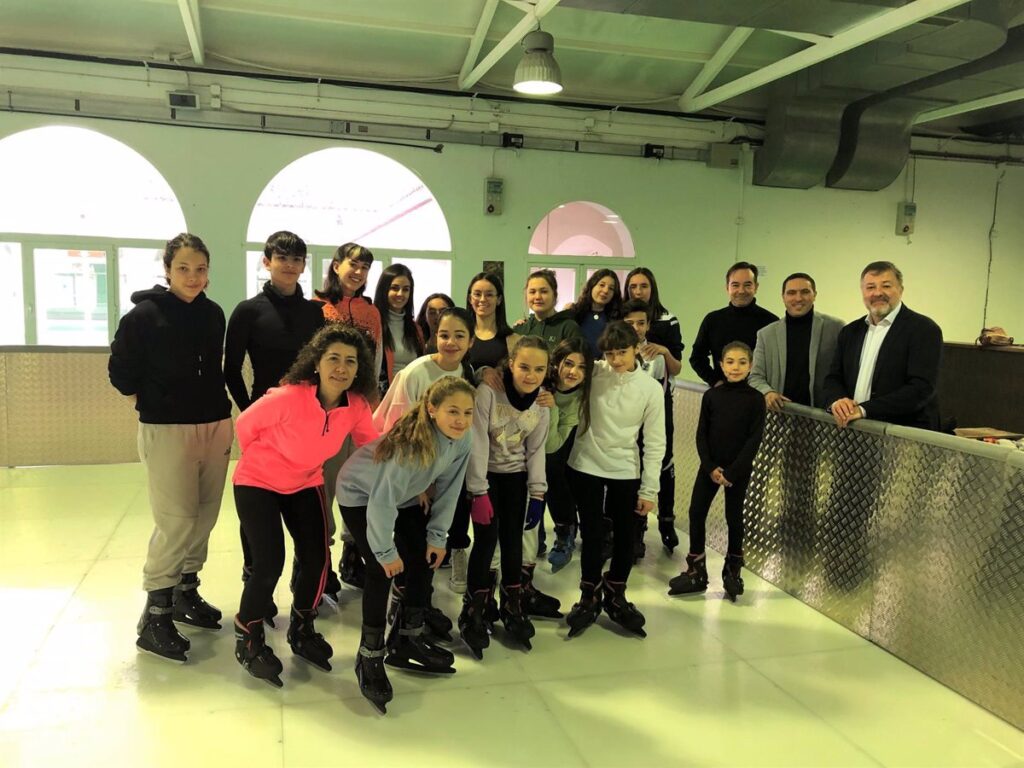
(769, 371)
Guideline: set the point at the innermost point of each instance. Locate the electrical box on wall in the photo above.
(905, 215)
(493, 191)
(182, 100)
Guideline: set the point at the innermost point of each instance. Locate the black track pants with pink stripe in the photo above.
(261, 513)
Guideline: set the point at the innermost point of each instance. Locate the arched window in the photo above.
(72, 202)
(577, 238)
(346, 194)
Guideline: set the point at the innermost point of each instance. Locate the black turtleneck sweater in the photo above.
(271, 329)
(721, 327)
(797, 386)
(729, 430)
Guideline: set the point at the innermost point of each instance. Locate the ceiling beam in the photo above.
(476, 42)
(717, 62)
(857, 35)
(970, 106)
(508, 42)
(807, 37)
(190, 17)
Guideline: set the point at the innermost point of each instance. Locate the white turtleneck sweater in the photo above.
(620, 404)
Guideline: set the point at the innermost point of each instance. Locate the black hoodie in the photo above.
(168, 353)
(272, 329)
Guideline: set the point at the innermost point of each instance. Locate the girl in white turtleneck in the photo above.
(402, 338)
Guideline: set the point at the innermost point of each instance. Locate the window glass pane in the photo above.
(582, 229)
(12, 303)
(620, 272)
(371, 281)
(430, 276)
(566, 279)
(72, 181)
(140, 269)
(344, 194)
(257, 274)
(71, 297)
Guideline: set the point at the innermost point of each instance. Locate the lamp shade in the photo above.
(538, 73)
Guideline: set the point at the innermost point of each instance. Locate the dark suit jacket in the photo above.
(903, 388)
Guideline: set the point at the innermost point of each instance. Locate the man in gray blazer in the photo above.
(793, 355)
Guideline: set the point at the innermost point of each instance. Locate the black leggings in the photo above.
(305, 515)
(508, 497)
(561, 503)
(704, 490)
(598, 498)
(458, 533)
(411, 542)
(667, 480)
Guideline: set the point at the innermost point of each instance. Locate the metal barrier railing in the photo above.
(912, 539)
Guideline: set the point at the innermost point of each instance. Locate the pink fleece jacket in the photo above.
(286, 436)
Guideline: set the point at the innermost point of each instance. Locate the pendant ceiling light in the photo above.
(538, 73)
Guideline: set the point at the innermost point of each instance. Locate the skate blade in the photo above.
(173, 659)
(553, 616)
(684, 592)
(322, 666)
(197, 623)
(476, 653)
(527, 645)
(577, 631)
(409, 666)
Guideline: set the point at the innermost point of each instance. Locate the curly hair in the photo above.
(303, 370)
(411, 439)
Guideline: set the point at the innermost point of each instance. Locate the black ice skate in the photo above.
(535, 602)
(156, 630)
(351, 567)
(732, 580)
(253, 653)
(639, 547)
(306, 642)
(491, 612)
(667, 529)
(472, 624)
(585, 612)
(271, 613)
(693, 579)
(620, 610)
(190, 607)
(370, 673)
(516, 623)
(408, 647)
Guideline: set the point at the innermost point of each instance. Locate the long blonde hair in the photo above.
(411, 439)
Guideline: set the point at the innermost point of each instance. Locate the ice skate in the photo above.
(586, 610)
(190, 607)
(370, 673)
(491, 612)
(472, 625)
(693, 579)
(516, 623)
(561, 553)
(732, 579)
(253, 653)
(535, 602)
(306, 642)
(667, 529)
(620, 610)
(156, 630)
(351, 568)
(408, 647)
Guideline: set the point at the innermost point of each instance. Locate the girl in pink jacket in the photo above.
(285, 437)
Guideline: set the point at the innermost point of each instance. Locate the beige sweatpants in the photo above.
(186, 467)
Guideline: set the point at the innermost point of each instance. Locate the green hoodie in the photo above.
(559, 327)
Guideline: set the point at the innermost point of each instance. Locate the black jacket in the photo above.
(729, 429)
(903, 387)
(721, 327)
(168, 352)
(272, 329)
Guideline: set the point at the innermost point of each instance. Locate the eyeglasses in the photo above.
(478, 296)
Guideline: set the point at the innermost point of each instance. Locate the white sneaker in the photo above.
(460, 570)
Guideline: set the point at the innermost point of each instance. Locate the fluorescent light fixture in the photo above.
(538, 73)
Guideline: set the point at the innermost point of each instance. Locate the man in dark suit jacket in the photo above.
(886, 364)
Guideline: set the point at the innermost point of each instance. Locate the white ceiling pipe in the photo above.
(190, 17)
(717, 62)
(508, 42)
(865, 32)
(970, 106)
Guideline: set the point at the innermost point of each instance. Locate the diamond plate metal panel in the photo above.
(915, 542)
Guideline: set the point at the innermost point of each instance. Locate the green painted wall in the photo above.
(688, 222)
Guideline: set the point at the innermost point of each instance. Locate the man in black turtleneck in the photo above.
(794, 354)
(740, 320)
